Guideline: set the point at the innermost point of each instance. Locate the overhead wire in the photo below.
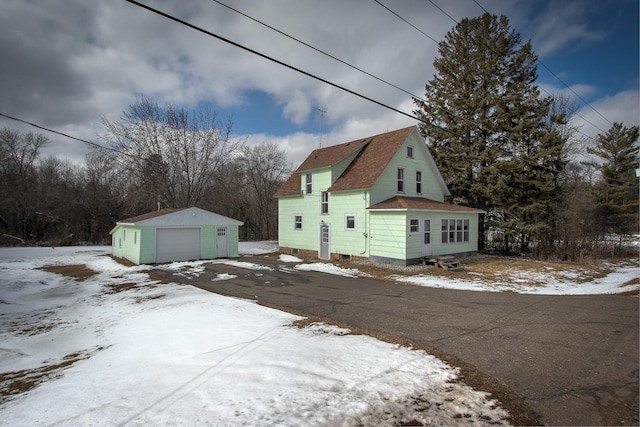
(316, 49)
(538, 60)
(269, 58)
(564, 84)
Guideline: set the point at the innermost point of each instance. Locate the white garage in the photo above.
(169, 235)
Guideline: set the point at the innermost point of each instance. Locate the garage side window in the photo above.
(297, 222)
(135, 237)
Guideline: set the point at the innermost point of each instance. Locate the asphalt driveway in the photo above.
(572, 360)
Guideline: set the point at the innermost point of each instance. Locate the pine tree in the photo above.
(488, 127)
(617, 193)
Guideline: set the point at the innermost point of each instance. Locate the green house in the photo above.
(169, 235)
(380, 197)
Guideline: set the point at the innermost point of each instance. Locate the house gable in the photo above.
(420, 176)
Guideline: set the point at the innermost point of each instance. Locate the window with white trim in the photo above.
(308, 183)
(419, 182)
(400, 180)
(455, 230)
(297, 222)
(414, 225)
(135, 237)
(350, 222)
(410, 151)
(324, 202)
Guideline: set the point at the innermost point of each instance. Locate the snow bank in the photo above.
(142, 353)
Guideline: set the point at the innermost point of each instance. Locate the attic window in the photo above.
(410, 151)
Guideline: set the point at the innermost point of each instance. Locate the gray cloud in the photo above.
(66, 63)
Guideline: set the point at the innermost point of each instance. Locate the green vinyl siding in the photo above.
(208, 241)
(440, 248)
(386, 185)
(343, 241)
(388, 238)
(148, 245)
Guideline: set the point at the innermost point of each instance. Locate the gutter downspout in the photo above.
(366, 220)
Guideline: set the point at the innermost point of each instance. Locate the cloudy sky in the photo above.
(67, 63)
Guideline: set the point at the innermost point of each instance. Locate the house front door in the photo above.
(324, 242)
(426, 236)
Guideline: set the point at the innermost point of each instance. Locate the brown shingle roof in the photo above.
(421, 203)
(322, 157)
(149, 215)
(364, 171)
(376, 153)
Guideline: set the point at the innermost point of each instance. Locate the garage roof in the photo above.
(180, 217)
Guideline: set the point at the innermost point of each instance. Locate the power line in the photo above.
(262, 55)
(564, 84)
(317, 49)
(407, 22)
(442, 10)
(60, 133)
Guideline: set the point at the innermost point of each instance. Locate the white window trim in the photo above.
(455, 231)
(355, 222)
(308, 183)
(414, 219)
(322, 194)
(398, 180)
(421, 182)
(412, 148)
(295, 222)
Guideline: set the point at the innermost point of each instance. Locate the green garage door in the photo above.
(178, 244)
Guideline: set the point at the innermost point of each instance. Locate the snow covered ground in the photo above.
(116, 348)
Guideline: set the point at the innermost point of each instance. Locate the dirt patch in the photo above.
(526, 271)
(120, 287)
(15, 383)
(76, 271)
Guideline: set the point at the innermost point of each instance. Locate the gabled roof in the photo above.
(182, 217)
(401, 203)
(364, 171)
(149, 215)
(375, 154)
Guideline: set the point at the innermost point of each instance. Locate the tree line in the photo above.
(153, 157)
(500, 145)
(504, 148)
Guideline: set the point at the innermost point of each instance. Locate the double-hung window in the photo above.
(324, 202)
(309, 183)
(400, 180)
(414, 225)
(297, 222)
(418, 182)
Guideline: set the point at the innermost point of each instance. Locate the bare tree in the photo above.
(170, 153)
(265, 169)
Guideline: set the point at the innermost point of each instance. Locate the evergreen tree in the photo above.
(489, 128)
(617, 193)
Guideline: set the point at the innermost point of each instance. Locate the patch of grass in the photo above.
(18, 382)
(120, 287)
(76, 271)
